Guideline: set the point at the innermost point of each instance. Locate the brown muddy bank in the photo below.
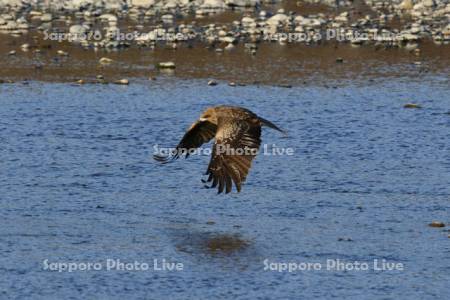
(272, 64)
(235, 43)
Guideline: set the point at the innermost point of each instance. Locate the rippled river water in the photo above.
(78, 184)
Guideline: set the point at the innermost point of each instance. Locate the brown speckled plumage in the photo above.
(233, 128)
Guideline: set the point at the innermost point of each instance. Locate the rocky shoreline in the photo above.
(115, 24)
(222, 39)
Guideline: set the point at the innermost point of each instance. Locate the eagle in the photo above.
(237, 135)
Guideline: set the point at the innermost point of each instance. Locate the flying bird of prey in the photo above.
(237, 134)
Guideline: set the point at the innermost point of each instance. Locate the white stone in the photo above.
(46, 18)
(248, 22)
(105, 61)
(418, 6)
(229, 47)
(428, 3)
(409, 37)
(78, 29)
(166, 65)
(213, 4)
(143, 3)
(10, 25)
(277, 19)
(122, 81)
(171, 4)
(112, 5)
(228, 39)
(406, 5)
(7, 17)
(108, 18)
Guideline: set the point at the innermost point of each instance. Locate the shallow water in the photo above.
(78, 184)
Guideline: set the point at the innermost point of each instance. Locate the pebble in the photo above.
(212, 83)
(25, 47)
(166, 65)
(12, 52)
(108, 18)
(77, 31)
(62, 53)
(46, 18)
(105, 61)
(122, 81)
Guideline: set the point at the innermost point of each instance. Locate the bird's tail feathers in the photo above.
(267, 123)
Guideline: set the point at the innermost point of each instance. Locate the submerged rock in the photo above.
(411, 105)
(226, 243)
(436, 224)
(345, 239)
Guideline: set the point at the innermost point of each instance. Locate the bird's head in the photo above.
(209, 115)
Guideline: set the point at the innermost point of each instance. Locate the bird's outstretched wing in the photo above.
(237, 143)
(199, 133)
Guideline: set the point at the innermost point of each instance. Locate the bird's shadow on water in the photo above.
(213, 243)
(229, 249)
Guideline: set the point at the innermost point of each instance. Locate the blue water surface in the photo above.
(78, 184)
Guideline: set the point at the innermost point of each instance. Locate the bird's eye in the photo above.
(206, 116)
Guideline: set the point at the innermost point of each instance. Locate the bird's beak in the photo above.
(203, 119)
